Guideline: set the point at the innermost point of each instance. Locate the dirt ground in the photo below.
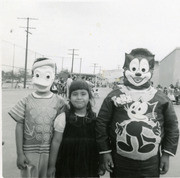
(10, 97)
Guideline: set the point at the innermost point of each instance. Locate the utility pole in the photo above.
(13, 65)
(62, 63)
(95, 66)
(80, 65)
(26, 54)
(73, 54)
(99, 69)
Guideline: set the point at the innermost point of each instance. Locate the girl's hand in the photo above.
(108, 162)
(51, 172)
(22, 161)
(101, 170)
(164, 163)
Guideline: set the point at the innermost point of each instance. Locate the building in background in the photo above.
(112, 75)
(167, 71)
(155, 77)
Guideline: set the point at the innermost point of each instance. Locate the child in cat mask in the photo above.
(137, 127)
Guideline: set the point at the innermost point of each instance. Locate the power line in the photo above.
(61, 57)
(16, 45)
(13, 66)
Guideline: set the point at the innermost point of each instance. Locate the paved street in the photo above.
(10, 97)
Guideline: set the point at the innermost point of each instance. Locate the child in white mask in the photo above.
(35, 115)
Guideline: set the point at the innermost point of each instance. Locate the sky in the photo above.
(100, 31)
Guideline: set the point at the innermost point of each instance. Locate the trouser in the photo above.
(129, 168)
(37, 167)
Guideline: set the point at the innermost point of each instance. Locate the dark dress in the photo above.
(78, 155)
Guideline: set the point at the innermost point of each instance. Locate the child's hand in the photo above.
(51, 172)
(101, 170)
(164, 163)
(108, 162)
(22, 161)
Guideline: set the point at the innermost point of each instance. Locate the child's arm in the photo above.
(57, 138)
(59, 125)
(21, 158)
(102, 125)
(171, 130)
(171, 137)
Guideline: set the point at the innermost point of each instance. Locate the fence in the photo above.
(13, 64)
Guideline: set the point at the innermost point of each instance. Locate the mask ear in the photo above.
(128, 59)
(151, 61)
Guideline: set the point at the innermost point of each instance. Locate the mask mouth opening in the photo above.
(40, 86)
(138, 79)
(42, 82)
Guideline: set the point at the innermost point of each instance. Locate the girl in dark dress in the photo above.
(73, 149)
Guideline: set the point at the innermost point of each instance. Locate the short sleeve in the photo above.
(18, 111)
(60, 122)
(61, 105)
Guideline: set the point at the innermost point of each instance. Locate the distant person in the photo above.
(171, 93)
(159, 87)
(35, 115)
(73, 148)
(74, 77)
(96, 92)
(68, 83)
(176, 94)
(137, 127)
(91, 85)
(165, 90)
(60, 86)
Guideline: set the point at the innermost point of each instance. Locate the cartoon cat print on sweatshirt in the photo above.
(140, 134)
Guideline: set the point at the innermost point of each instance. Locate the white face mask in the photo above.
(139, 72)
(43, 78)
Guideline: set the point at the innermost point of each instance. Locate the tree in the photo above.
(21, 73)
(6, 75)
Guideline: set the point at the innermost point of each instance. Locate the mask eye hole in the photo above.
(48, 76)
(37, 75)
(133, 69)
(143, 70)
(134, 65)
(144, 65)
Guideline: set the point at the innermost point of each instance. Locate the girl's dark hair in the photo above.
(80, 85)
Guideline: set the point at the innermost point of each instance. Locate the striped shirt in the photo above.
(37, 115)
